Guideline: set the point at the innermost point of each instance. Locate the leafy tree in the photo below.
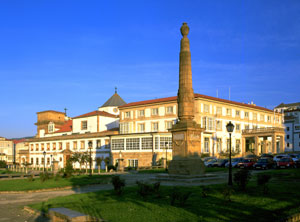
(76, 158)
(106, 161)
(99, 161)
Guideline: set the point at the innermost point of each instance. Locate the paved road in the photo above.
(11, 205)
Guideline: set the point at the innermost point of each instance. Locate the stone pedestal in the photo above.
(55, 166)
(120, 165)
(186, 142)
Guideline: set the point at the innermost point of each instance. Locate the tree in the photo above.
(76, 158)
(107, 161)
(99, 161)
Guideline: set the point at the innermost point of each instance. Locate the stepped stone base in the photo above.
(187, 166)
(187, 179)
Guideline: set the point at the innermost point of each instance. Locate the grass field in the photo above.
(37, 184)
(7, 172)
(250, 205)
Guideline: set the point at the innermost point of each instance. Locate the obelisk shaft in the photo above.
(185, 91)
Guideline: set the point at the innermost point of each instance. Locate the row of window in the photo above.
(296, 128)
(154, 112)
(125, 127)
(210, 123)
(235, 148)
(288, 136)
(59, 145)
(229, 112)
(41, 160)
(145, 143)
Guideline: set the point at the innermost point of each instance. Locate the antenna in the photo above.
(65, 111)
(217, 94)
(116, 90)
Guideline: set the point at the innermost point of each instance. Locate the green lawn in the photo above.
(252, 205)
(37, 184)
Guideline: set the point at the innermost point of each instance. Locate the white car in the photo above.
(278, 157)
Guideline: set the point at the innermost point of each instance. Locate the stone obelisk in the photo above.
(186, 133)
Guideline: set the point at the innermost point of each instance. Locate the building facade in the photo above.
(291, 113)
(6, 151)
(144, 129)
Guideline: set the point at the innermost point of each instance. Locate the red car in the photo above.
(285, 162)
(247, 163)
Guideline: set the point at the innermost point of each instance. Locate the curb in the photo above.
(40, 190)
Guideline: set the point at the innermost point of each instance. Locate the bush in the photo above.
(204, 191)
(68, 169)
(227, 192)
(147, 189)
(109, 167)
(57, 176)
(2, 164)
(44, 176)
(241, 178)
(262, 180)
(30, 178)
(179, 196)
(118, 184)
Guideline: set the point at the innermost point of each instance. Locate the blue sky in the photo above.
(57, 54)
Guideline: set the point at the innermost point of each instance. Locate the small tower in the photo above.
(112, 104)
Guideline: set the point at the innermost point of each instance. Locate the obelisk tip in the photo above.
(184, 29)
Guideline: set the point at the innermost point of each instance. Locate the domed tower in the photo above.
(112, 104)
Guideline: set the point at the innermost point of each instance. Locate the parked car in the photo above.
(220, 163)
(278, 157)
(251, 156)
(266, 155)
(234, 162)
(210, 162)
(264, 163)
(247, 163)
(295, 157)
(285, 162)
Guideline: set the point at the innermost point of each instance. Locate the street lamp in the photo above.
(167, 146)
(44, 160)
(230, 128)
(51, 162)
(90, 147)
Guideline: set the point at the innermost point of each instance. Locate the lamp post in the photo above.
(230, 128)
(44, 160)
(90, 147)
(51, 162)
(167, 146)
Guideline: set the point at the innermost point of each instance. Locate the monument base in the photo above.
(187, 166)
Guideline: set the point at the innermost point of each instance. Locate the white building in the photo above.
(292, 125)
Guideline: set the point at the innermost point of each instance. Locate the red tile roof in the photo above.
(19, 141)
(67, 127)
(174, 98)
(97, 113)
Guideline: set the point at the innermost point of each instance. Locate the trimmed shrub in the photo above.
(2, 164)
(145, 189)
(179, 196)
(118, 184)
(204, 191)
(241, 178)
(44, 176)
(68, 169)
(30, 178)
(262, 180)
(109, 167)
(227, 192)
